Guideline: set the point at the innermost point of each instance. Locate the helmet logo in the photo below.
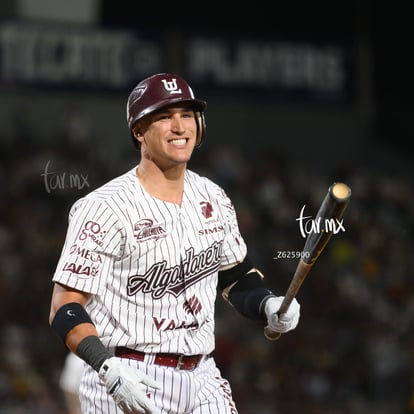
(171, 86)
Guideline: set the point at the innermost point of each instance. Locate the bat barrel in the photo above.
(340, 192)
(330, 212)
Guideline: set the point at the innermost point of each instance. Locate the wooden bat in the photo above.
(328, 220)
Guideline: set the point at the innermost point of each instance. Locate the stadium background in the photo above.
(298, 97)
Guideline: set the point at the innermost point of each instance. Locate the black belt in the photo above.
(177, 361)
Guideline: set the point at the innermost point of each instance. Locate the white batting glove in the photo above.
(128, 387)
(284, 322)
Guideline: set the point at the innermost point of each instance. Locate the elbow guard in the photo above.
(243, 287)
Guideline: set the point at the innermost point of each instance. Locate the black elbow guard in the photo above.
(243, 287)
(248, 294)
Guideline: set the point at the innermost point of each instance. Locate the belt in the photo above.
(177, 361)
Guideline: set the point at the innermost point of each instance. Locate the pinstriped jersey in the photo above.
(151, 265)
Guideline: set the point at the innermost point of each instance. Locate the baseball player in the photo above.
(144, 255)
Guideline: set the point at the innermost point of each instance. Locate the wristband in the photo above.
(93, 352)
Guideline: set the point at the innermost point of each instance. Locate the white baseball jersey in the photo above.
(151, 265)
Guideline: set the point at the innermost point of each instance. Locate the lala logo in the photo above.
(171, 86)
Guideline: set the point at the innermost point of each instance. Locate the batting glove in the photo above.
(284, 322)
(128, 387)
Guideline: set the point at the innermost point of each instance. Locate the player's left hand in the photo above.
(284, 322)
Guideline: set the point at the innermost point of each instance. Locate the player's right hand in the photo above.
(128, 387)
(284, 322)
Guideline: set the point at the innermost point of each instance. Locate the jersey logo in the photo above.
(146, 230)
(206, 209)
(169, 324)
(193, 305)
(86, 254)
(93, 231)
(160, 279)
(81, 270)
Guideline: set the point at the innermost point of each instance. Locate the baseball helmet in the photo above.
(161, 90)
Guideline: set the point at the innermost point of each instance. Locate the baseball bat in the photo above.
(329, 215)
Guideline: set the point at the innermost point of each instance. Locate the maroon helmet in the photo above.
(161, 90)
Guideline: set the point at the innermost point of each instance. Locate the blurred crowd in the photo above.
(353, 351)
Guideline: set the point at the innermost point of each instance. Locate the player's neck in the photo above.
(166, 185)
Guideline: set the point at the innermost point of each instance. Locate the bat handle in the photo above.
(301, 271)
(272, 335)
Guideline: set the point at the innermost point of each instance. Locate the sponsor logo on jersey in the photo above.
(212, 223)
(80, 270)
(145, 229)
(212, 230)
(85, 253)
(206, 209)
(160, 279)
(192, 305)
(169, 324)
(92, 230)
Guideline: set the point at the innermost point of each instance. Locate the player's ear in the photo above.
(137, 133)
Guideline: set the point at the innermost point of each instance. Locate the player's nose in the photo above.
(177, 123)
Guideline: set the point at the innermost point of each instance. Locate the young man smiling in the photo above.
(164, 239)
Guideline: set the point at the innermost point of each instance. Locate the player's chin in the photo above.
(181, 158)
